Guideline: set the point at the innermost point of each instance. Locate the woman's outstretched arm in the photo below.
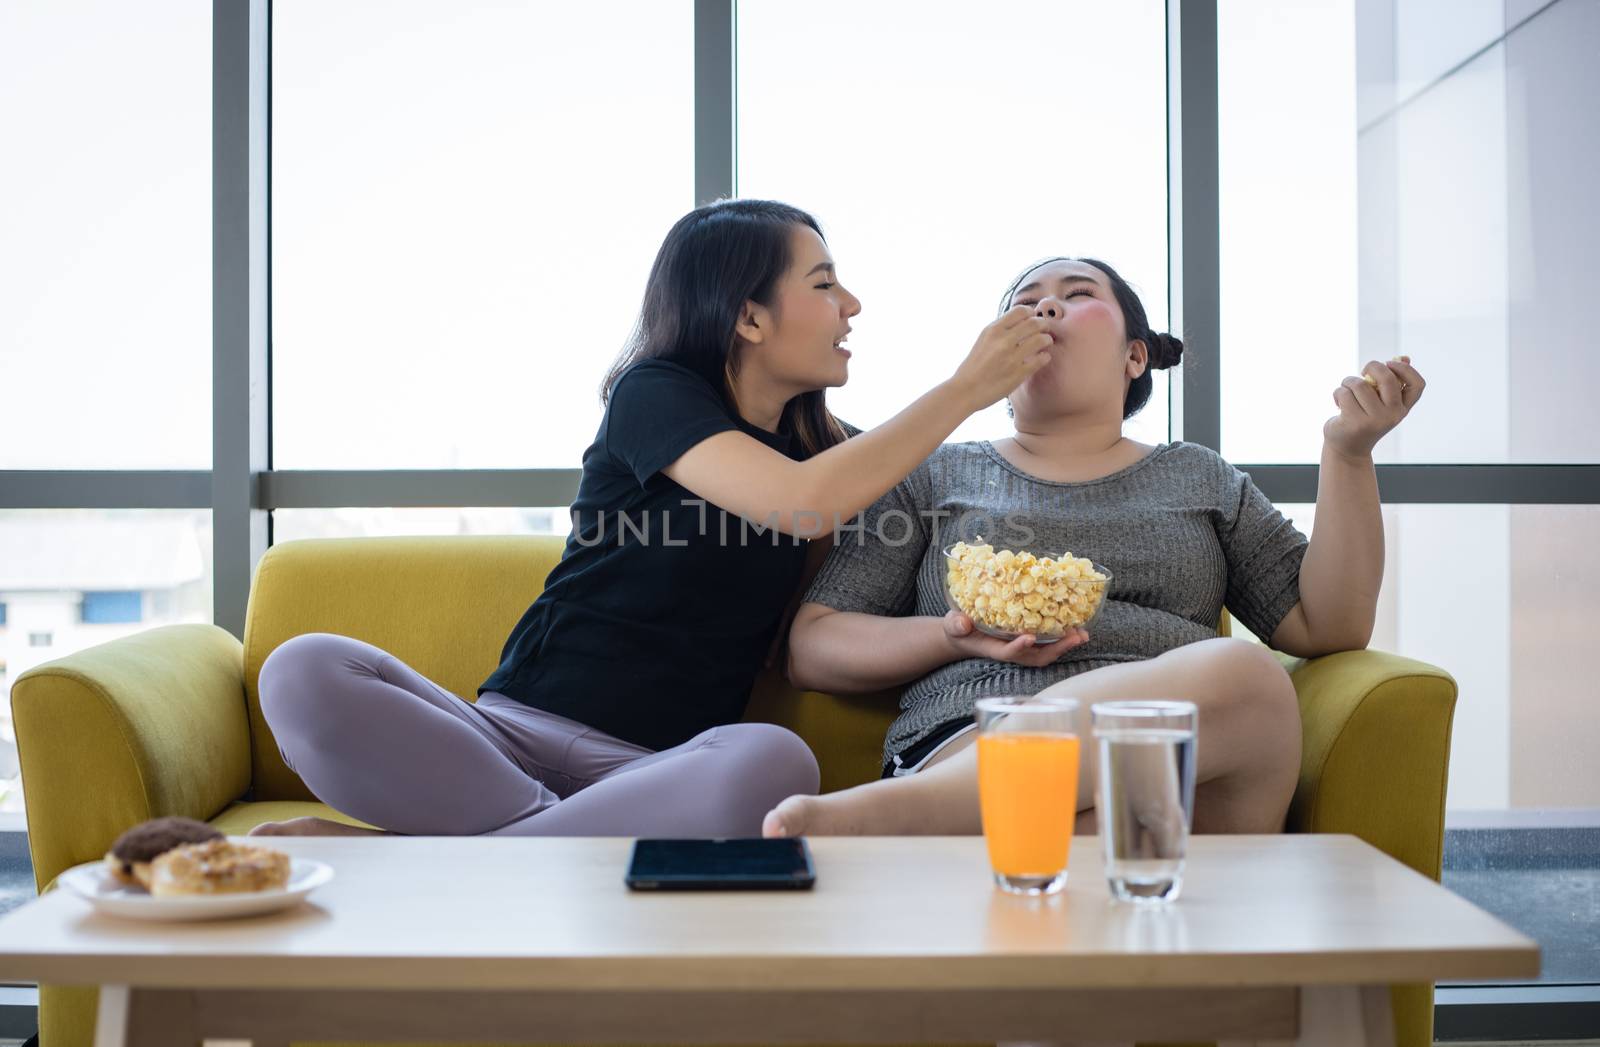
(1343, 566)
(739, 473)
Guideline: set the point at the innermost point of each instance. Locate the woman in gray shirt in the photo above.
(1183, 532)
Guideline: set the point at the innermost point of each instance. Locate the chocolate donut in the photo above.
(133, 851)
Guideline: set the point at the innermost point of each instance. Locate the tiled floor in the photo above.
(16, 871)
(16, 887)
(1558, 908)
(1543, 882)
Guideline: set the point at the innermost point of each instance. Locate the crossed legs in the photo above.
(1248, 758)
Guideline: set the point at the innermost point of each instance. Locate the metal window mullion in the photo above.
(714, 159)
(1194, 217)
(1575, 485)
(387, 488)
(240, 68)
(105, 489)
(1401, 484)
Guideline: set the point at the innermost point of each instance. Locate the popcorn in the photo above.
(1011, 592)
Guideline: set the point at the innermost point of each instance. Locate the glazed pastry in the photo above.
(130, 856)
(218, 867)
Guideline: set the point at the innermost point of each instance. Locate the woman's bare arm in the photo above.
(817, 551)
(744, 476)
(849, 653)
(1343, 567)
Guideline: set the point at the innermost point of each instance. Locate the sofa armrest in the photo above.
(148, 725)
(1376, 752)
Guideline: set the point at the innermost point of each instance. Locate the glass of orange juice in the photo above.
(1028, 789)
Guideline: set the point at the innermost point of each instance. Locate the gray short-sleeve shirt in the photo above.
(1181, 530)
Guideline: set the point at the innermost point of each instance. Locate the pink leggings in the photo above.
(374, 739)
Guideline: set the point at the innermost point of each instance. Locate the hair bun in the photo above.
(1165, 350)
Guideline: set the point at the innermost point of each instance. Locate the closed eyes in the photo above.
(1070, 294)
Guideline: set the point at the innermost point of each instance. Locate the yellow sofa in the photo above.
(167, 722)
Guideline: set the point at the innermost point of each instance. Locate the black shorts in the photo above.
(919, 750)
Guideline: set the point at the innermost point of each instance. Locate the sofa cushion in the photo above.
(237, 819)
(442, 606)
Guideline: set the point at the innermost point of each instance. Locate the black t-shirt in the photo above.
(653, 626)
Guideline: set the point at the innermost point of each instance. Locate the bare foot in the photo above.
(312, 827)
(786, 819)
(813, 816)
(860, 812)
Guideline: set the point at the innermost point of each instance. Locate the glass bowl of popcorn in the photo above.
(1008, 593)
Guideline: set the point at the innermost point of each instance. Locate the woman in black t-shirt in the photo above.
(615, 707)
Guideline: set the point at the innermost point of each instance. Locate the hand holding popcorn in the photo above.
(1008, 593)
(1371, 405)
(967, 641)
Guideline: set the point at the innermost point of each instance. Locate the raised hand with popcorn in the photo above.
(1371, 404)
(1343, 567)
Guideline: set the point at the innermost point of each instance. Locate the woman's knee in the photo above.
(1248, 689)
(1248, 668)
(776, 757)
(300, 673)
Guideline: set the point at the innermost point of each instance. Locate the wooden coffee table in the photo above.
(904, 940)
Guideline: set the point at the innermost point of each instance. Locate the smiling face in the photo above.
(1091, 360)
(796, 339)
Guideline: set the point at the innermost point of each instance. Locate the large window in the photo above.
(467, 197)
(105, 321)
(1414, 177)
(1287, 167)
(1409, 177)
(946, 146)
(105, 235)
(1526, 575)
(1439, 143)
(73, 578)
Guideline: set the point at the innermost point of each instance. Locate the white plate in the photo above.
(95, 884)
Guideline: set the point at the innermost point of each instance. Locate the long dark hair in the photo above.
(1164, 350)
(715, 259)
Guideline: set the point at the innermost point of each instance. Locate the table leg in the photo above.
(1340, 1016)
(1378, 1014)
(111, 1022)
(145, 1018)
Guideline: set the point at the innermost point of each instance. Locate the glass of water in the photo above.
(1145, 795)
